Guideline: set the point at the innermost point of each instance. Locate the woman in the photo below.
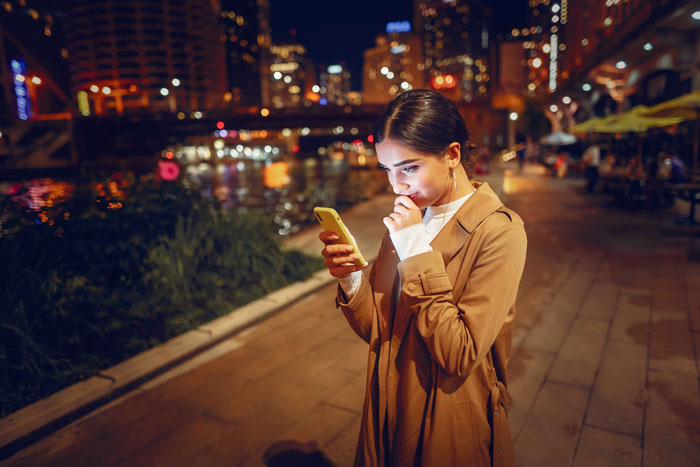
(437, 308)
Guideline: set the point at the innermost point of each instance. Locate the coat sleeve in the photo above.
(460, 333)
(359, 311)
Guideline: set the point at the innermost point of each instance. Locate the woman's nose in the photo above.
(399, 187)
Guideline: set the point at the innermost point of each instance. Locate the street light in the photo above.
(36, 80)
(513, 116)
(586, 87)
(164, 91)
(554, 108)
(176, 82)
(566, 100)
(621, 65)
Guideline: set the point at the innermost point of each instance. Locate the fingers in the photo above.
(328, 237)
(401, 209)
(395, 216)
(405, 201)
(390, 224)
(331, 261)
(334, 250)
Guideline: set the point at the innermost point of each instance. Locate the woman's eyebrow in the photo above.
(406, 162)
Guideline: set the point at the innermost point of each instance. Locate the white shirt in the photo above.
(412, 240)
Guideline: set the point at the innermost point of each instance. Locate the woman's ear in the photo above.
(454, 154)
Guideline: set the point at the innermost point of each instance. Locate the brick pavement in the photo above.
(604, 369)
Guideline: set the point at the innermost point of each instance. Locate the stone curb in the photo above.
(30, 423)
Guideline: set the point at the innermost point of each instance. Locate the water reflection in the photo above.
(287, 189)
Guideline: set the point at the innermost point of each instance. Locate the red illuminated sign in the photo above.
(443, 82)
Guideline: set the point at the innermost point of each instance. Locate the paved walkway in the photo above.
(604, 371)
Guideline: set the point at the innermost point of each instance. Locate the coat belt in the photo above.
(503, 453)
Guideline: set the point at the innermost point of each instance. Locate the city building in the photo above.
(145, 55)
(247, 38)
(544, 41)
(288, 76)
(334, 85)
(394, 65)
(621, 53)
(33, 66)
(456, 44)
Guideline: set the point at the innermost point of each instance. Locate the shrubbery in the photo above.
(101, 285)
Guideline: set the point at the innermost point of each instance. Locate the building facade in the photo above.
(334, 84)
(247, 38)
(623, 53)
(287, 76)
(145, 55)
(394, 65)
(456, 43)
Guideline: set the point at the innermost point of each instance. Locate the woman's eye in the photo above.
(410, 168)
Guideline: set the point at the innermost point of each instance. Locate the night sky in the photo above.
(341, 30)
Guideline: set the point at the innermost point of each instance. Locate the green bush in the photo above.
(102, 285)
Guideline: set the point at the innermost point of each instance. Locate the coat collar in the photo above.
(472, 213)
(478, 207)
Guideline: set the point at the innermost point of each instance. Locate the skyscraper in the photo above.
(145, 55)
(247, 38)
(456, 42)
(334, 81)
(394, 65)
(287, 75)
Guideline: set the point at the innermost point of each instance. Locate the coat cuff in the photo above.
(344, 299)
(424, 274)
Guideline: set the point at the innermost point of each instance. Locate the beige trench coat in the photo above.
(438, 348)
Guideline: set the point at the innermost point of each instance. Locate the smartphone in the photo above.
(331, 221)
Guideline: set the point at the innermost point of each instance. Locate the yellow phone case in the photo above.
(331, 221)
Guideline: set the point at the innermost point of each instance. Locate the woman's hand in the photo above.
(338, 257)
(405, 214)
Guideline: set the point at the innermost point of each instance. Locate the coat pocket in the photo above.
(465, 438)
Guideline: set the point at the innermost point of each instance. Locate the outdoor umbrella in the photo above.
(633, 120)
(686, 107)
(558, 138)
(589, 126)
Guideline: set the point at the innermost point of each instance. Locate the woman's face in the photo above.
(423, 178)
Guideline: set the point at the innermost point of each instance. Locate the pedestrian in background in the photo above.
(591, 158)
(438, 305)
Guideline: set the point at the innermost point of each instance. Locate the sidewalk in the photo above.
(604, 369)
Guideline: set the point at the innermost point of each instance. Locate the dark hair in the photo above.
(427, 122)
